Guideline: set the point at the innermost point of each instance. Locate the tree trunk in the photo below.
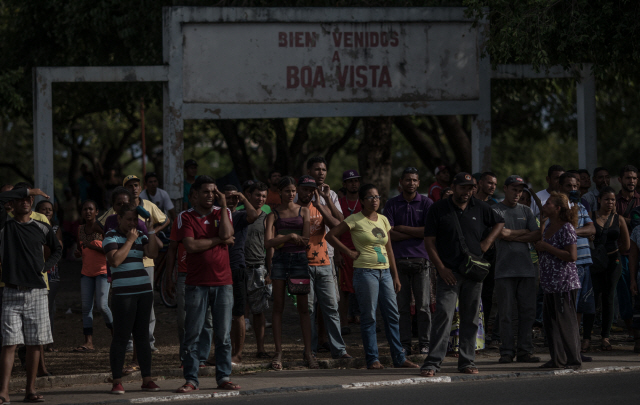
(459, 140)
(237, 149)
(374, 154)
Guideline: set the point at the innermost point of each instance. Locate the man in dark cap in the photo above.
(445, 250)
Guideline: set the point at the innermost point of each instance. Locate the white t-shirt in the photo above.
(334, 198)
(161, 199)
(543, 195)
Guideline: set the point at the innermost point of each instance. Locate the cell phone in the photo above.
(142, 212)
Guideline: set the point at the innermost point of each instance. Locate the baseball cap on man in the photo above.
(515, 180)
(463, 179)
(350, 174)
(129, 178)
(307, 181)
(190, 162)
(440, 168)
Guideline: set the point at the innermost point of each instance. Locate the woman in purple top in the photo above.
(560, 283)
(285, 238)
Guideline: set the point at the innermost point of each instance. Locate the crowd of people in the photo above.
(456, 266)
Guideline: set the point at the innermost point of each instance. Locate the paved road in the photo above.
(614, 388)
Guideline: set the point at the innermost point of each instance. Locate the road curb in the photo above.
(100, 378)
(368, 384)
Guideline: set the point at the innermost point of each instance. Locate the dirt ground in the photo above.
(68, 335)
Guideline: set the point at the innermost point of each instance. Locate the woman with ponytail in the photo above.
(559, 282)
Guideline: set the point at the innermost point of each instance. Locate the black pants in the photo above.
(562, 329)
(605, 283)
(239, 291)
(131, 315)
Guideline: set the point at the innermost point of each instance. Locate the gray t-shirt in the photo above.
(513, 259)
(254, 253)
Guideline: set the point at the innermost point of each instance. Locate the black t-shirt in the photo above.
(21, 246)
(236, 251)
(474, 221)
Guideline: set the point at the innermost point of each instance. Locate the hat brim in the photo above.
(352, 177)
(308, 185)
(129, 181)
(518, 183)
(465, 183)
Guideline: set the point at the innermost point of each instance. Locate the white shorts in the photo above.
(25, 317)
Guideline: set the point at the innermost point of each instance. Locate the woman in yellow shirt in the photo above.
(375, 278)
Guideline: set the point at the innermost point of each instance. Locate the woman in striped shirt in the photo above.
(132, 298)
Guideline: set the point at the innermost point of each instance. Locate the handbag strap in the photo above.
(463, 244)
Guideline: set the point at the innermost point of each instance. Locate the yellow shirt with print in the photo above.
(157, 218)
(38, 217)
(370, 238)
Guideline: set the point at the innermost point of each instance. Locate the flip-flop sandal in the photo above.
(4, 401)
(263, 355)
(276, 362)
(83, 349)
(33, 397)
(376, 365)
(131, 368)
(606, 346)
(427, 373)
(229, 386)
(187, 387)
(469, 370)
(312, 362)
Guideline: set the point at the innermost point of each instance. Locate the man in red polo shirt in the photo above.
(203, 230)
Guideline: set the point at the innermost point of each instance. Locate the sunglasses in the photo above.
(410, 170)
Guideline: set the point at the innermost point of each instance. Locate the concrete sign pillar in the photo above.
(587, 135)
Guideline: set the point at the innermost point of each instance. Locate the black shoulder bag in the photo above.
(599, 256)
(473, 266)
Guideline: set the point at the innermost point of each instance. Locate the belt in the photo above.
(412, 259)
(18, 287)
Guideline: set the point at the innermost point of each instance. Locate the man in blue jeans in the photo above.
(323, 286)
(178, 253)
(206, 230)
(407, 214)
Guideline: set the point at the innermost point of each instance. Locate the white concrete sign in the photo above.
(258, 63)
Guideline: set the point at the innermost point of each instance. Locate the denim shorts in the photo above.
(289, 265)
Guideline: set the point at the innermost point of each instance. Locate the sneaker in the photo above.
(117, 389)
(528, 358)
(505, 358)
(267, 324)
(150, 386)
(424, 350)
(153, 347)
(130, 347)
